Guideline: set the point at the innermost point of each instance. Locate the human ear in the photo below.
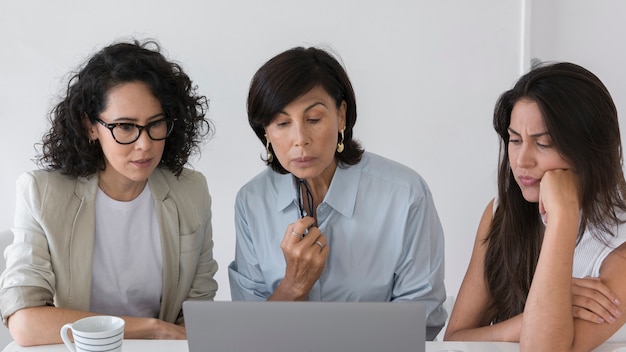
(90, 128)
(342, 115)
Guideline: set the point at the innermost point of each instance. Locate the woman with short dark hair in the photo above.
(328, 221)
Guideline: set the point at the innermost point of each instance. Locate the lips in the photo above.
(303, 161)
(142, 162)
(528, 181)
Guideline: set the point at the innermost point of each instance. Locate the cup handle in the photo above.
(66, 338)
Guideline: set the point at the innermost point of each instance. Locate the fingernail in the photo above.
(617, 301)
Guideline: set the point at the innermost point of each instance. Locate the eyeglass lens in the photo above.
(129, 132)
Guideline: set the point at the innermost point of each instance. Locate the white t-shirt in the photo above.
(127, 276)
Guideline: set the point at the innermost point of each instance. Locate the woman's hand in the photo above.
(559, 194)
(593, 301)
(169, 331)
(153, 329)
(305, 251)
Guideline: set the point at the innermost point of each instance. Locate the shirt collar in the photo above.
(286, 191)
(341, 195)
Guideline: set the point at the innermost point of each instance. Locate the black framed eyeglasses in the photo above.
(128, 132)
(309, 198)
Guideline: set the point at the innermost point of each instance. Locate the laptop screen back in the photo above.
(305, 326)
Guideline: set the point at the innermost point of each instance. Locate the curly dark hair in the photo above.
(582, 120)
(66, 145)
(291, 74)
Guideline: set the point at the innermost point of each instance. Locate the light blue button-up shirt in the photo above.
(385, 238)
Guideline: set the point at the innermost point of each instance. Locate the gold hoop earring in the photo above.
(340, 145)
(270, 156)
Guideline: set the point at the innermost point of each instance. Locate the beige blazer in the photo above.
(50, 260)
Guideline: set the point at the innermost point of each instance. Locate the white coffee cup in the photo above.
(97, 333)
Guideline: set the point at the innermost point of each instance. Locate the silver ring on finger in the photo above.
(319, 244)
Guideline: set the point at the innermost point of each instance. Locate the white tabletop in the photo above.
(181, 346)
(129, 346)
(476, 346)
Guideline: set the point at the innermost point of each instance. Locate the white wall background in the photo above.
(589, 33)
(426, 73)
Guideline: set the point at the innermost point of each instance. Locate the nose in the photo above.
(525, 156)
(144, 141)
(301, 135)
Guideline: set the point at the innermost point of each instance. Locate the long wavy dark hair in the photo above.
(291, 74)
(66, 145)
(580, 116)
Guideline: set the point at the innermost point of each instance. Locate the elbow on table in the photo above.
(22, 336)
(23, 333)
(558, 342)
(452, 334)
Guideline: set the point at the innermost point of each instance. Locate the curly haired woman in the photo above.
(114, 223)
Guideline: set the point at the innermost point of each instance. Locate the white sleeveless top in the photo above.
(127, 274)
(589, 256)
(591, 252)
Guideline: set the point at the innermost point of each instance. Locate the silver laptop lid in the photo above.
(305, 326)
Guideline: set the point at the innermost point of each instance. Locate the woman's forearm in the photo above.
(508, 331)
(548, 324)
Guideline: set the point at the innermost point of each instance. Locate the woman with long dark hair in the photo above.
(327, 221)
(548, 260)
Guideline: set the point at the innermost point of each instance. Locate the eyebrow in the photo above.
(307, 108)
(532, 135)
(135, 119)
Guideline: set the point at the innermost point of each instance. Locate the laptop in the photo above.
(305, 326)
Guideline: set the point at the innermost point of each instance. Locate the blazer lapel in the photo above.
(82, 242)
(167, 214)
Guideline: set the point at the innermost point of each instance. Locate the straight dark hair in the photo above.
(582, 121)
(288, 76)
